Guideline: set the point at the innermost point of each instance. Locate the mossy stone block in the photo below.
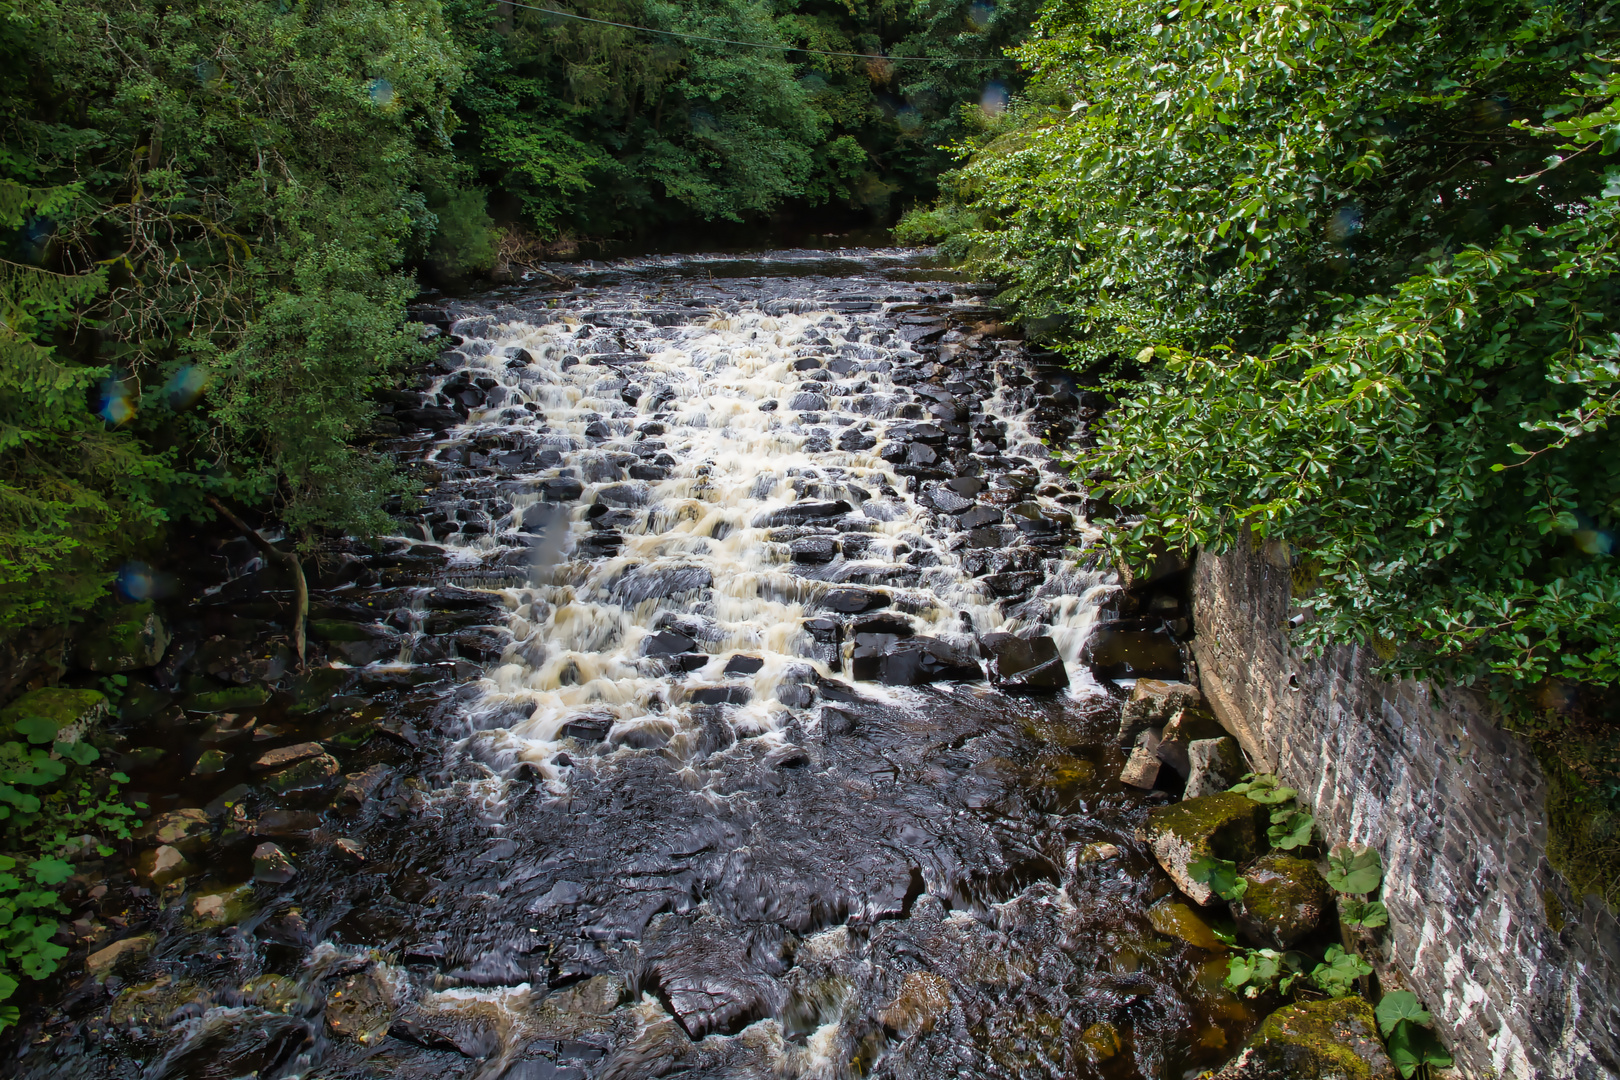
(1224, 826)
(1315, 1040)
(1284, 902)
(315, 689)
(132, 637)
(312, 772)
(230, 699)
(72, 711)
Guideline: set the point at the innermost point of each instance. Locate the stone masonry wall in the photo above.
(1455, 806)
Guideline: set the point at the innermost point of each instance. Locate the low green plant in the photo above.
(1291, 827)
(1253, 972)
(1405, 1024)
(1220, 875)
(1370, 914)
(1354, 868)
(1336, 975)
(49, 798)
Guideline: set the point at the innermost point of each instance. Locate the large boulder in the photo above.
(1029, 665)
(1314, 1040)
(1185, 727)
(132, 637)
(1153, 702)
(1133, 649)
(72, 712)
(1224, 826)
(1284, 902)
(1213, 765)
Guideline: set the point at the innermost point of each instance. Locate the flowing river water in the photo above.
(684, 760)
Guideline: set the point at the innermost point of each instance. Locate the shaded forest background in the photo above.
(214, 214)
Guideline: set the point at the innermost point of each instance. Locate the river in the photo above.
(675, 751)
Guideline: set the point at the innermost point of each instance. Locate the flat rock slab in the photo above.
(1225, 826)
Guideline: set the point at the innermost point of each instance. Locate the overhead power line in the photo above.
(758, 44)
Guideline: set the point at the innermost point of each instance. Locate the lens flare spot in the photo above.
(1594, 541)
(980, 14)
(994, 99)
(185, 387)
(381, 91)
(114, 403)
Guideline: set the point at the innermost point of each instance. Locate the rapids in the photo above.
(686, 758)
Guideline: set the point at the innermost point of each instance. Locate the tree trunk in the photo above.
(285, 558)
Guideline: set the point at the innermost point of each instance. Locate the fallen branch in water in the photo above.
(285, 558)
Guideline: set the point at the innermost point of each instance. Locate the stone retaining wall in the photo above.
(1454, 804)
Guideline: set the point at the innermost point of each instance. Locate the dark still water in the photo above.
(659, 736)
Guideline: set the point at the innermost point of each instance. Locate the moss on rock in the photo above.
(1285, 901)
(1225, 826)
(72, 711)
(133, 637)
(1173, 918)
(1315, 1040)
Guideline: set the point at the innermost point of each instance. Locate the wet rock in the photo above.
(807, 402)
(1153, 702)
(1225, 826)
(210, 761)
(1014, 582)
(558, 489)
(946, 501)
(1132, 649)
(429, 417)
(315, 689)
(801, 512)
(854, 601)
(271, 864)
(924, 1000)
(230, 699)
(1091, 853)
(361, 1006)
(720, 695)
(666, 643)
(814, 549)
(716, 977)
(1172, 918)
(101, 963)
(210, 911)
(1213, 765)
(283, 756)
(133, 637)
(742, 664)
(1185, 727)
(1141, 769)
(1284, 902)
(924, 660)
(854, 439)
(1099, 1042)
(352, 851)
(312, 772)
(1315, 1040)
(978, 517)
(357, 643)
(359, 787)
(187, 830)
(631, 494)
(1018, 664)
(162, 865)
(287, 823)
(643, 583)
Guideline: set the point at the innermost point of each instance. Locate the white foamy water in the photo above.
(695, 436)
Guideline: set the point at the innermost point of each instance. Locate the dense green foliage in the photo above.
(1363, 257)
(211, 215)
(53, 801)
(597, 130)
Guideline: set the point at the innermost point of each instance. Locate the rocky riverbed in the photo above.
(740, 695)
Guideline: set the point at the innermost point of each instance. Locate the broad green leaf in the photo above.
(1412, 1047)
(1354, 869)
(1399, 1005)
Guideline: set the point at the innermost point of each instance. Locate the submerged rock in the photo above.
(163, 864)
(1173, 918)
(101, 963)
(1315, 1040)
(1225, 826)
(1030, 665)
(361, 1006)
(187, 830)
(1284, 902)
(271, 864)
(310, 773)
(923, 1000)
(1133, 649)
